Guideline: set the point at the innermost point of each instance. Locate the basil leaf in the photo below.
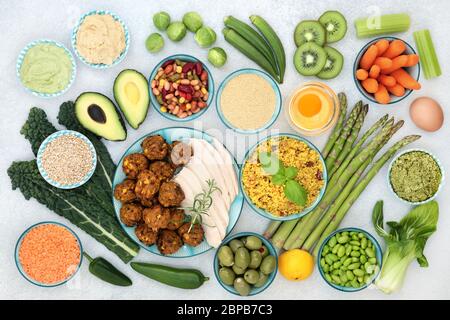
(272, 165)
(278, 179)
(290, 172)
(265, 158)
(295, 192)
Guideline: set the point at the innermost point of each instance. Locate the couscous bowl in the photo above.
(264, 191)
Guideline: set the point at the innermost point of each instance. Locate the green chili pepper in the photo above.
(105, 271)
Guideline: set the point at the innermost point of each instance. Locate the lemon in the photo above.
(296, 264)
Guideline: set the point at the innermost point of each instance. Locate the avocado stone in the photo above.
(131, 93)
(98, 114)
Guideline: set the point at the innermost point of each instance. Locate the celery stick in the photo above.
(427, 54)
(385, 24)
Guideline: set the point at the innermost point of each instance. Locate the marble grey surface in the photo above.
(24, 21)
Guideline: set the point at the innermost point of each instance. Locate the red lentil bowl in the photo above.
(48, 254)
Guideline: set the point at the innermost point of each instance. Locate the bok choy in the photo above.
(405, 242)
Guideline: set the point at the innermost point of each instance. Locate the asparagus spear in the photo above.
(345, 133)
(271, 229)
(338, 127)
(326, 219)
(358, 146)
(350, 140)
(303, 230)
(282, 233)
(360, 187)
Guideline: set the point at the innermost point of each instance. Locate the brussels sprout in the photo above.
(193, 21)
(217, 57)
(205, 37)
(161, 20)
(154, 42)
(176, 31)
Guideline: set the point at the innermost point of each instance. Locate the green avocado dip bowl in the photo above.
(46, 68)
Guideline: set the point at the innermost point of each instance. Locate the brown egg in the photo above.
(426, 114)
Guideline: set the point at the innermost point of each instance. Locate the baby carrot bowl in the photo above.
(413, 71)
(48, 254)
(181, 88)
(245, 264)
(349, 259)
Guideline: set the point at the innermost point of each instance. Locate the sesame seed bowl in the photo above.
(66, 159)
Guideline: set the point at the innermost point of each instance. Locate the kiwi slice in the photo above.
(309, 59)
(309, 31)
(333, 65)
(335, 25)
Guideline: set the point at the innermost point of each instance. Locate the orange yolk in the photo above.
(309, 105)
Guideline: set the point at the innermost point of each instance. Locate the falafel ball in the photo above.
(124, 192)
(180, 153)
(131, 214)
(191, 237)
(148, 203)
(177, 217)
(170, 194)
(156, 217)
(147, 185)
(155, 147)
(168, 242)
(133, 164)
(162, 169)
(145, 234)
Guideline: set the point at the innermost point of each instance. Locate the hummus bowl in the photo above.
(100, 65)
(20, 63)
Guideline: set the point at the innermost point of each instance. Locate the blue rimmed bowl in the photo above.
(271, 250)
(378, 256)
(100, 65)
(293, 216)
(19, 265)
(51, 138)
(21, 58)
(441, 184)
(154, 101)
(414, 71)
(175, 134)
(273, 84)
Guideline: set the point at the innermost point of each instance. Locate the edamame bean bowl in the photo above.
(350, 259)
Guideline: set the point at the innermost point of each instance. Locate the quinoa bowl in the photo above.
(66, 165)
(267, 196)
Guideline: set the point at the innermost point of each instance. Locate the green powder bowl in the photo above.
(412, 182)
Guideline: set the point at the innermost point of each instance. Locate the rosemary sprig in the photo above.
(202, 202)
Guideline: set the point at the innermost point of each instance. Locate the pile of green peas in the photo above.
(348, 259)
(245, 263)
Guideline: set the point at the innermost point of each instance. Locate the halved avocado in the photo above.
(132, 95)
(98, 114)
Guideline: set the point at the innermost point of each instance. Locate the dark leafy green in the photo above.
(89, 206)
(405, 241)
(100, 184)
(295, 192)
(37, 128)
